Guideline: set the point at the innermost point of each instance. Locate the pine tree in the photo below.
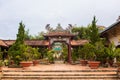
(15, 50)
(21, 34)
(94, 33)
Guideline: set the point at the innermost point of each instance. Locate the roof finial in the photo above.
(118, 18)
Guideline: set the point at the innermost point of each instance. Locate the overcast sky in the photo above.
(35, 14)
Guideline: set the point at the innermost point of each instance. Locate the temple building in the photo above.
(53, 35)
(112, 33)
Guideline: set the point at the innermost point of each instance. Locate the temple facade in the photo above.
(53, 35)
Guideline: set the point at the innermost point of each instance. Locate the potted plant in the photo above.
(83, 55)
(50, 56)
(36, 56)
(26, 56)
(91, 55)
(117, 57)
(15, 52)
(75, 55)
(110, 51)
(94, 37)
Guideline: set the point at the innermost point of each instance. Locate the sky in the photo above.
(36, 14)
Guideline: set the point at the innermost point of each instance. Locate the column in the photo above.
(69, 51)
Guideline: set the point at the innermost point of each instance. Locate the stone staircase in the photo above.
(92, 74)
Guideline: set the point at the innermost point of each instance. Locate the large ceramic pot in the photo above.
(26, 63)
(35, 62)
(83, 62)
(94, 64)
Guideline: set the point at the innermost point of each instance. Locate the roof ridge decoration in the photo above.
(59, 29)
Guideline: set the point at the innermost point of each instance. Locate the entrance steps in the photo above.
(59, 75)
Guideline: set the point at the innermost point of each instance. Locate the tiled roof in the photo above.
(78, 42)
(110, 27)
(29, 42)
(59, 34)
(9, 42)
(2, 43)
(37, 42)
(44, 42)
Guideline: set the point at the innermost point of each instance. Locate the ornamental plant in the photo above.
(16, 50)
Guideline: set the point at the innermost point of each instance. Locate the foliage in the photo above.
(1, 63)
(27, 53)
(27, 35)
(65, 52)
(83, 53)
(39, 36)
(94, 32)
(50, 56)
(89, 51)
(1, 57)
(100, 51)
(110, 51)
(43, 51)
(15, 51)
(1, 54)
(36, 54)
(75, 53)
(117, 54)
(82, 32)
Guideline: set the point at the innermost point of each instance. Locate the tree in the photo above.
(17, 48)
(27, 35)
(82, 32)
(94, 32)
(39, 36)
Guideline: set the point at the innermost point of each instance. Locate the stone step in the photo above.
(59, 77)
(58, 73)
(94, 70)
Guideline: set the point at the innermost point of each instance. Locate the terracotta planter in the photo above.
(26, 63)
(94, 64)
(83, 62)
(110, 62)
(35, 62)
(0, 69)
(118, 64)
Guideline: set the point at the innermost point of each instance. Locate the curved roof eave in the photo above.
(109, 27)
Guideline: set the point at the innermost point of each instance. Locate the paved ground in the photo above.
(58, 67)
(61, 67)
